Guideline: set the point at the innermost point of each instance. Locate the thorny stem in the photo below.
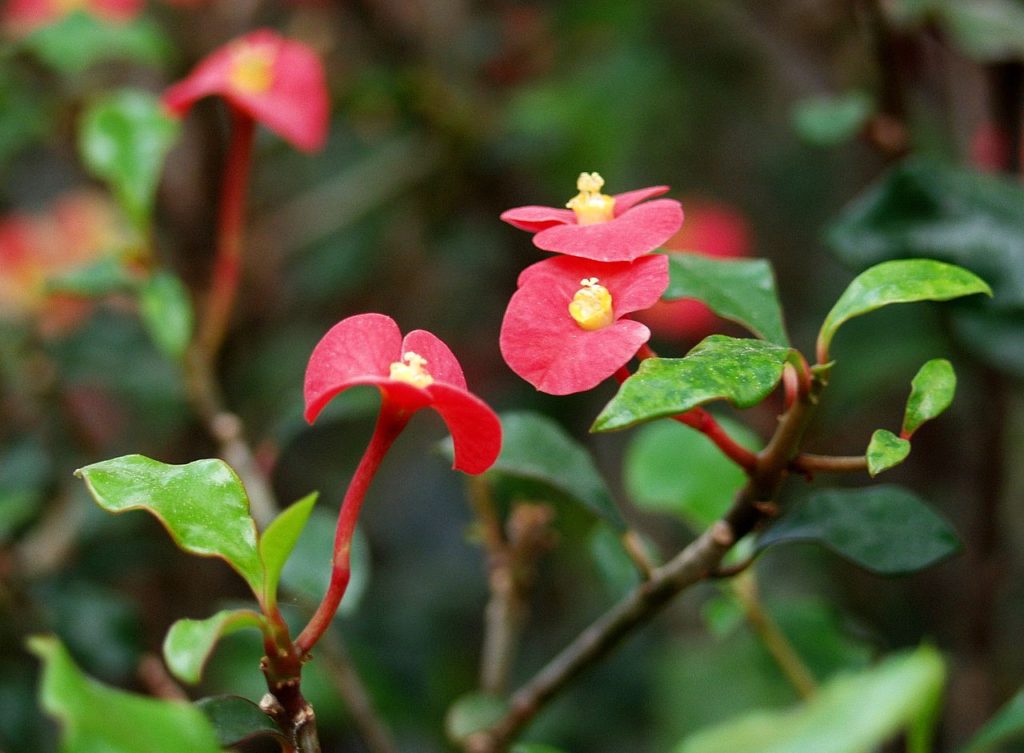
(390, 423)
(228, 263)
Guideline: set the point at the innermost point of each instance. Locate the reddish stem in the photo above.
(228, 264)
(389, 425)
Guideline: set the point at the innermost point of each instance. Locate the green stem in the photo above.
(390, 423)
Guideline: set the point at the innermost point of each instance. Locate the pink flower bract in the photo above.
(636, 228)
(276, 81)
(542, 342)
(26, 15)
(367, 348)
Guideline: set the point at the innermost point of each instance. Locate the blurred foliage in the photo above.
(444, 114)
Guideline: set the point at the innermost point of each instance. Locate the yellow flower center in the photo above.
(252, 68)
(591, 306)
(590, 205)
(411, 369)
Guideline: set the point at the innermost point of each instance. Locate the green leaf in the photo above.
(98, 718)
(885, 451)
(278, 541)
(471, 713)
(1007, 725)
(884, 529)
(536, 448)
(80, 40)
(931, 392)
(237, 720)
(189, 643)
(743, 372)
(124, 138)
(672, 468)
(832, 120)
(108, 275)
(741, 290)
(203, 506)
(534, 748)
(900, 281)
(989, 31)
(855, 713)
(167, 313)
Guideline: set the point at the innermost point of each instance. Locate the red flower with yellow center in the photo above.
(276, 81)
(417, 371)
(601, 227)
(564, 330)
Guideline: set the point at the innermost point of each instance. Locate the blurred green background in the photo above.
(445, 113)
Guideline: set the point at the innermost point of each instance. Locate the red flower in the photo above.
(26, 15)
(274, 80)
(411, 373)
(563, 330)
(601, 227)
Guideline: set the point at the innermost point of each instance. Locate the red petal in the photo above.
(475, 429)
(357, 350)
(630, 235)
(634, 286)
(441, 362)
(533, 219)
(629, 199)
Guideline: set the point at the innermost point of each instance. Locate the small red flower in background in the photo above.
(714, 230)
(601, 227)
(25, 15)
(276, 81)
(563, 331)
(417, 371)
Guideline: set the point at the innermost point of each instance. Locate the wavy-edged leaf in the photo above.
(534, 447)
(202, 504)
(741, 290)
(166, 311)
(884, 529)
(931, 392)
(672, 468)
(899, 281)
(854, 713)
(95, 717)
(885, 451)
(741, 371)
(237, 720)
(124, 138)
(189, 643)
(278, 541)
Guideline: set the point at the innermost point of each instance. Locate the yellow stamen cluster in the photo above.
(591, 306)
(411, 369)
(590, 205)
(252, 68)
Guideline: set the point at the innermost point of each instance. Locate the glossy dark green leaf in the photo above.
(237, 720)
(189, 643)
(884, 529)
(202, 504)
(675, 469)
(471, 713)
(832, 120)
(931, 392)
(742, 372)
(536, 448)
(885, 451)
(741, 290)
(926, 210)
(123, 139)
(899, 281)
(278, 541)
(1007, 725)
(80, 40)
(95, 717)
(105, 276)
(854, 713)
(166, 311)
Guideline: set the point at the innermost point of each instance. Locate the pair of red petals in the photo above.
(294, 104)
(360, 351)
(635, 229)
